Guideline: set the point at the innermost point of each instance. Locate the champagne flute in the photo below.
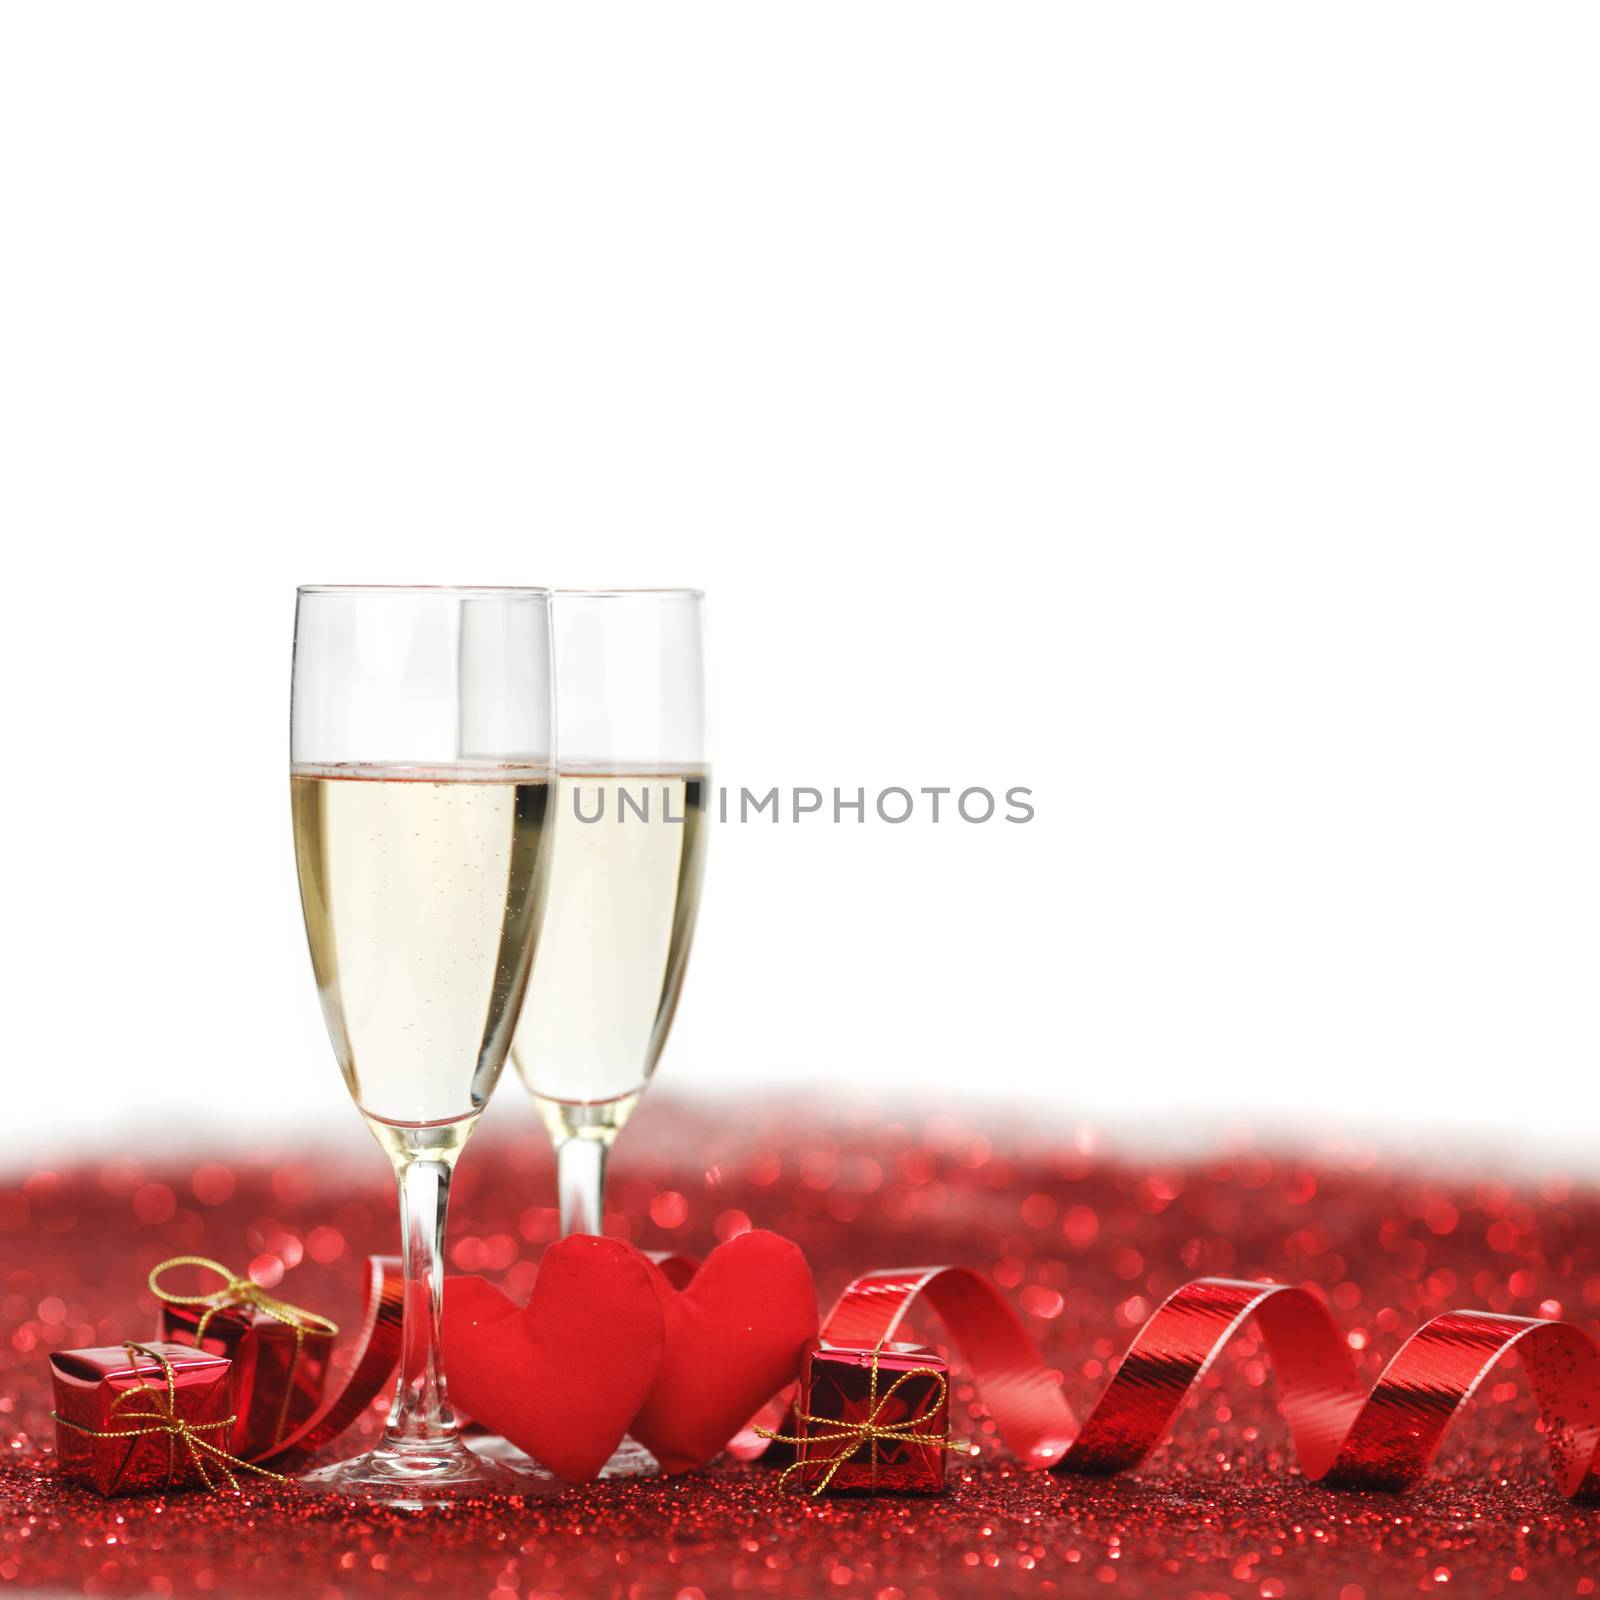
(420, 779)
(627, 853)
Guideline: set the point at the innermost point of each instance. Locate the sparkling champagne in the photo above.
(623, 886)
(422, 893)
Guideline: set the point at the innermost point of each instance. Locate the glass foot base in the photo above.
(629, 1460)
(417, 1478)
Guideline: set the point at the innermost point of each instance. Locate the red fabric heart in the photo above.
(562, 1376)
(734, 1338)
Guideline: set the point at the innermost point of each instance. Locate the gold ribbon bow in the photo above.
(868, 1432)
(239, 1293)
(161, 1417)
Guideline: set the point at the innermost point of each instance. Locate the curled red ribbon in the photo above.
(1342, 1434)
(377, 1353)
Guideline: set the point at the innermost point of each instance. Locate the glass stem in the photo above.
(581, 1179)
(420, 1417)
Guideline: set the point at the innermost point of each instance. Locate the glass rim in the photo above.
(659, 593)
(628, 594)
(423, 588)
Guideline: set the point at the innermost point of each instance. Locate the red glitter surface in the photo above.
(1085, 1244)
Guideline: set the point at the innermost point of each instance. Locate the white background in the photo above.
(1187, 411)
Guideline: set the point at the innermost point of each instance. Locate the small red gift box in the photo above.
(873, 1420)
(279, 1351)
(131, 1417)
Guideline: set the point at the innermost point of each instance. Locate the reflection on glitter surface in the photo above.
(1084, 1246)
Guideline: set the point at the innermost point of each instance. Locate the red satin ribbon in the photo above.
(377, 1353)
(1341, 1434)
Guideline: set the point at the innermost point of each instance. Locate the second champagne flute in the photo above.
(627, 852)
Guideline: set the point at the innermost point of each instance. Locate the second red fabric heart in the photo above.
(734, 1337)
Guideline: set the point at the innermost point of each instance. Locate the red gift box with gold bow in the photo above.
(870, 1419)
(132, 1417)
(279, 1351)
